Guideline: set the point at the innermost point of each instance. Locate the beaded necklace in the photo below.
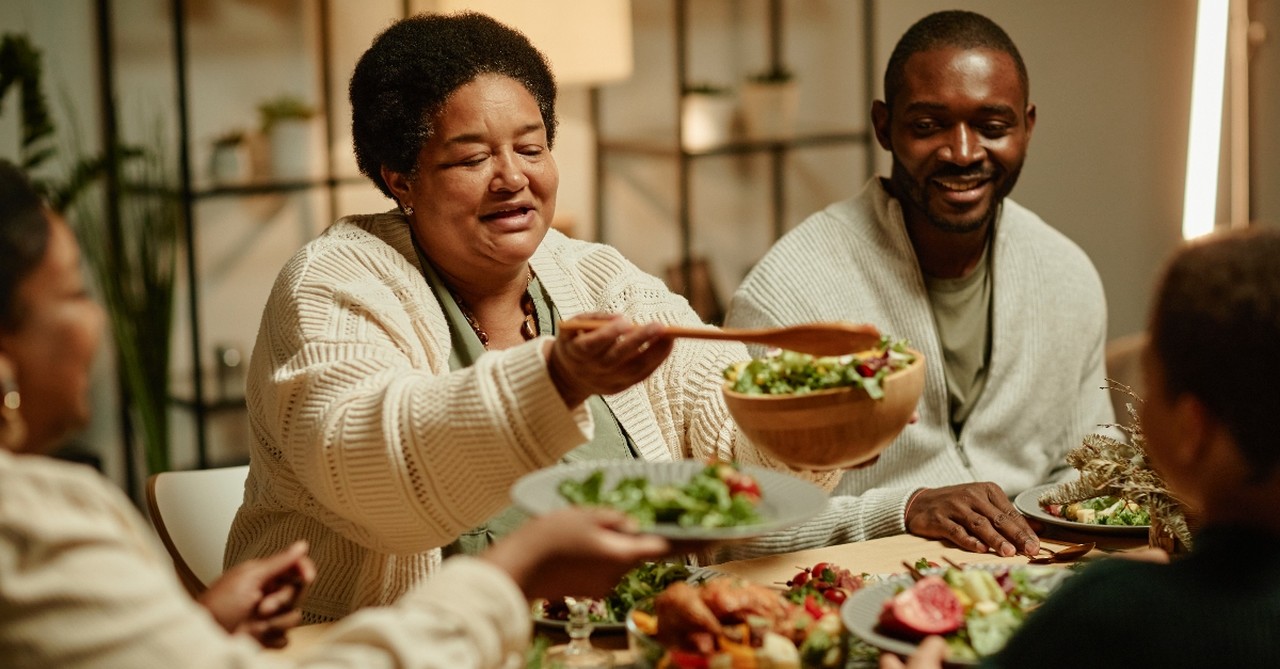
(528, 330)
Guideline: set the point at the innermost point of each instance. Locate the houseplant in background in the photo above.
(129, 241)
(287, 123)
(706, 116)
(770, 100)
(229, 162)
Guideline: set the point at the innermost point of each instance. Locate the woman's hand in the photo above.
(259, 597)
(606, 360)
(574, 551)
(928, 656)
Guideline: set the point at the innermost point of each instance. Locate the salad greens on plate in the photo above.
(720, 495)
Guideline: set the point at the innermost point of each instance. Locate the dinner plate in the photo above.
(1028, 502)
(784, 500)
(861, 611)
(609, 627)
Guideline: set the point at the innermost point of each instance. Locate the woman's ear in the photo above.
(1191, 422)
(399, 186)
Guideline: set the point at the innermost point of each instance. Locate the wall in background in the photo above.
(1111, 81)
(1266, 116)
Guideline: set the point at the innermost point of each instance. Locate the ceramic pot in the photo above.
(707, 120)
(769, 109)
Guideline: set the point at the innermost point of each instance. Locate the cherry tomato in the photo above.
(683, 659)
(812, 607)
(798, 580)
(835, 595)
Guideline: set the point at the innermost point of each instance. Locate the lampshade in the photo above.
(587, 41)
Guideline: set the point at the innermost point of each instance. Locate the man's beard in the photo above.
(914, 194)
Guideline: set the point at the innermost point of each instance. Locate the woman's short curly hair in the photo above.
(413, 67)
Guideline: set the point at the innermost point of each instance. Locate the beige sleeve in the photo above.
(81, 587)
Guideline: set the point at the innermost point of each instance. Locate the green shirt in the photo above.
(608, 442)
(962, 312)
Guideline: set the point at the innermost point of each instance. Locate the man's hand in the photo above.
(574, 551)
(928, 656)
(259, 597)
(974, 516)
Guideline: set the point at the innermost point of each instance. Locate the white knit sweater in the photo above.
(853, 261)
(365, 443)
(85, 585)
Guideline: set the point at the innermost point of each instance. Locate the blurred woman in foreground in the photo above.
(83, 582)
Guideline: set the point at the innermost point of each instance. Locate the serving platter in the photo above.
(784, 500)
(1028, 503)
(861, 612)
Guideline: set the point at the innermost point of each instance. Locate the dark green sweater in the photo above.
(1217, 607)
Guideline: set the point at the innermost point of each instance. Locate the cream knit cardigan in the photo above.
(84, 584)
(365, 443)
(853, 261)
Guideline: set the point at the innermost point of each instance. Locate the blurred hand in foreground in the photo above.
(260, 597)
(574, 551)
(928, 656)
(976, 517)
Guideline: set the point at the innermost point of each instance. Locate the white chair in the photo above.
(192, 512)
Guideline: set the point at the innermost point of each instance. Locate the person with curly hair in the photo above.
(85, 583)
(410, 366)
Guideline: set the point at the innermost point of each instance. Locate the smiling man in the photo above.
(1009, 313)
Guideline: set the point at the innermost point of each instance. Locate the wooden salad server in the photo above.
(820, 339)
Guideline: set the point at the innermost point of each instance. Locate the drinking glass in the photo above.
(579, 653)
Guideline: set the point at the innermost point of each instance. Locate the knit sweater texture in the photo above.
(84, 584)
(369, 447)
(853, 261)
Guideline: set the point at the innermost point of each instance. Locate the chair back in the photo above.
(192, 512)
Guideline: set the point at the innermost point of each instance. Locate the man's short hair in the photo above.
(949, 29)
(1215, 331)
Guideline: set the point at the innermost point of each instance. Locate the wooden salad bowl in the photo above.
(829, 429)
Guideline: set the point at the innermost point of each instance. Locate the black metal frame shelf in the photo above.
(277, 187)
(777, 149)
(197, 397)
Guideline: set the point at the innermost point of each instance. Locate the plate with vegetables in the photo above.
(635, 589)
(1099, 515)
(975, 609)
(679, 500)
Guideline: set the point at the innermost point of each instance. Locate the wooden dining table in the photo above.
(877, 556)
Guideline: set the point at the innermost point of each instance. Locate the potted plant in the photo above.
(706, 116)
(287, 124)
(130, 244)
(770, 100)
(229, 162)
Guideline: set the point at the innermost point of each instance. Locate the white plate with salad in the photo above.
(652, 491)
(1028, 502)
(988, 602)
(636, 588)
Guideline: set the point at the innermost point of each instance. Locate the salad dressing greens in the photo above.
(791, 373)
(719, 495)
(1105, 510)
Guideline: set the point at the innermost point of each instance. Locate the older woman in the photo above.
(407, 370)
(83, 583)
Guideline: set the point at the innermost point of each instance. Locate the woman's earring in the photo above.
(12, 428)
(407, 209)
